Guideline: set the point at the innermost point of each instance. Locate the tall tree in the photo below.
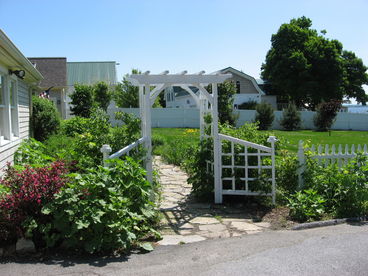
(305, 67)
(82, 100)
(101, 95)
(125, 94)
(226, 92)
(355, 77)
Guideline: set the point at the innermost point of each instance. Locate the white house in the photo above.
(248, 90)
(18, 78)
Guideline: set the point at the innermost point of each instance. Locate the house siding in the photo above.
(246, 86)
(7, 151)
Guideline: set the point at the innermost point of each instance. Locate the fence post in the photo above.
(106, 150)
(301, 159)
(272, 140)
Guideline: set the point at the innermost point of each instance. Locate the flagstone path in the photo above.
(185, 220)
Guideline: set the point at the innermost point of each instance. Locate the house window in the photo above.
(9, 127)
(2, 109)
(238, 87)
(13, 92)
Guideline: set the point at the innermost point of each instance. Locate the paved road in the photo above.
(335, 250)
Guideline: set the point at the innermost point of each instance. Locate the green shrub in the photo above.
(196, 166)
(326, 114)
(81, 140)
(45, 119)
(344, 189)
(226, 92)
(128, 132)
(248, 132)
(32, 152)
(291, 119)
(251, 105)
(175, 152)
(82, 100)
(197, 157)
(286, 175)
(101, 95)
(103, 210)
(75, 125)
(264, 115)
(306, 205)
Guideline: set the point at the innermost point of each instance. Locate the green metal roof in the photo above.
(91, 72)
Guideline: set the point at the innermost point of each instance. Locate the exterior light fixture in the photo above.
(19, 73)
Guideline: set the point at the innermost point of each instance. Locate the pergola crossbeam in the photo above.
(171, 79)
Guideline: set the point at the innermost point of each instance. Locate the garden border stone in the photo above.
(330, 222)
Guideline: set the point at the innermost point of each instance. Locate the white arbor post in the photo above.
(272, 140)
(216, 147)
(301, 160)
(148, 132)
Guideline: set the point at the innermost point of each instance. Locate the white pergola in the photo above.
(207, 103)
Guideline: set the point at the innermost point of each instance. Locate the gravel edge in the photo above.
(331, 222)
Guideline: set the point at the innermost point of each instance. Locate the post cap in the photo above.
(106, 149)
(271, 139)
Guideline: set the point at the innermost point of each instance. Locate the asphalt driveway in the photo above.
(334, 250)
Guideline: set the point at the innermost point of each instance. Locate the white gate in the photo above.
(246, 168)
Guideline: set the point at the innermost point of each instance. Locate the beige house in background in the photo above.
(18, 78)
(248, 90)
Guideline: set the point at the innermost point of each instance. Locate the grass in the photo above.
(335, 137)
(183, 137)
(172, 143)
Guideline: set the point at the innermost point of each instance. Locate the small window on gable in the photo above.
(238, 87)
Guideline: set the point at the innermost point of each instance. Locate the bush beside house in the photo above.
(59, 194)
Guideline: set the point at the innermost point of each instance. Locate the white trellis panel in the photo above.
(230, 184)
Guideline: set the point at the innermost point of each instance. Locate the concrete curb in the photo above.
(331, 222)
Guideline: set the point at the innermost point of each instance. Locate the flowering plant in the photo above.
(29, 190)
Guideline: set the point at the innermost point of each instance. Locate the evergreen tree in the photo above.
(290, 118)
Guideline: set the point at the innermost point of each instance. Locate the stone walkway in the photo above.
(185, 220)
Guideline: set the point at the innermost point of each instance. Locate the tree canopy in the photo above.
(102, 95)
(126, 95)
(307, 68)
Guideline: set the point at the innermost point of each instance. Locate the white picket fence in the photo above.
(327, 155)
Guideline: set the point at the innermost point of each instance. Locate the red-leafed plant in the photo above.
(29, 190)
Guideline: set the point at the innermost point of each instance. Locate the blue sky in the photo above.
(170, 34)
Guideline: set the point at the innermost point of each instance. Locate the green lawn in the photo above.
(313, 137)
(184, 136)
